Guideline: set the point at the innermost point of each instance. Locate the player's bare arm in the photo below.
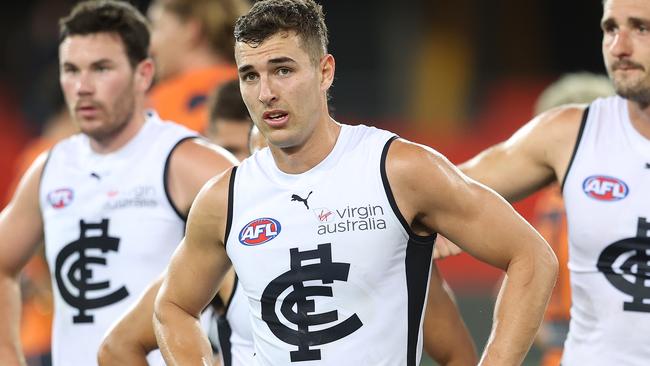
(21, 230)
(193, 277)
(132, 338)
(192, 164)
(446, 338)
(537, 154)
(434, 196)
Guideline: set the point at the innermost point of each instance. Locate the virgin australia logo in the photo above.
(350, 218)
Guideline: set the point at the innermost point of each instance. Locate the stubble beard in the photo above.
(637, 91)
(115, 122)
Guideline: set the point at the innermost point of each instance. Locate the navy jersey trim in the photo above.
(583, 123)
(166, 176)
(429, 239)
(231, 197)
(225, 332)
(418, 265)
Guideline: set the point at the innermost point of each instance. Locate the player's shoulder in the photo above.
(568, 116)
(198, 148)
(197, 157)
(553, 130)
(212, 199)
(409, 162)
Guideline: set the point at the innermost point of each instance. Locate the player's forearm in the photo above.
(520, 307)
(10, 348)
(180, 336)
(132, 338)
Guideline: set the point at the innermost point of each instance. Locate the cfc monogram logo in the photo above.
(78, 274)
(297, 309)
(632, 259)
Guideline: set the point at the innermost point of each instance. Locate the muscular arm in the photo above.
(132, 338)
(434, 196)
(446, 338)
(21, 230)
(533, 157)
(195, 272)
(192, 164)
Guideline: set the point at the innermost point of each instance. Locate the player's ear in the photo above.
(326, 68)
(144, 73)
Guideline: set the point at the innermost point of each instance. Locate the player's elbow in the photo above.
(164, 312)
(113, 350)
(549, 262)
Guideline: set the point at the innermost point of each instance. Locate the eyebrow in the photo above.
(102, 61)
(631, 20)
(274, 61)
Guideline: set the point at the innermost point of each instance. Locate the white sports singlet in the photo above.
(607, 197)
(234, 329)
(110, 231)
(331, 270)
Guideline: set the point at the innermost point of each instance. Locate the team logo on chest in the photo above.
(296, 308)
(60, 198)
(626, 265)
(260, 231)
(604, 188)
(78, 274)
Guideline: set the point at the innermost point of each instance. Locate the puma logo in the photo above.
(295, 197)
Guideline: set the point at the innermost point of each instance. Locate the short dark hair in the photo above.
(268, 17)
(226, 102)
(109, 16)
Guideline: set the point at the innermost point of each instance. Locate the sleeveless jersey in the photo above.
(607, 196)
(110, 231)
(331, 270)
(234, 331)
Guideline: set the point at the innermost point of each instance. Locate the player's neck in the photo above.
(122, 137)
(640, 118)
(316, 148)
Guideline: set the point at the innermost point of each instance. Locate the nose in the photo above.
(267, 94)
(84, 84)
(621, 45)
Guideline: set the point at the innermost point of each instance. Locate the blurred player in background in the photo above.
(192, 44)
(110, 201)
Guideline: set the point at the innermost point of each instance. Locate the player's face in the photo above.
(284, 91)
(626, 47)
(232, 135)
(167, 35)
(98, 83)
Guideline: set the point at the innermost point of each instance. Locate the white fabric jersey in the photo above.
(235, 333)
(110, 231)
(607, 197)
(332, 272)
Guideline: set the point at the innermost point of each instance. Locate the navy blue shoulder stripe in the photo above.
(583, 123)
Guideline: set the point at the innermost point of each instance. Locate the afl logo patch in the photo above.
(604, 188)
(60, 198)
(259, 231)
